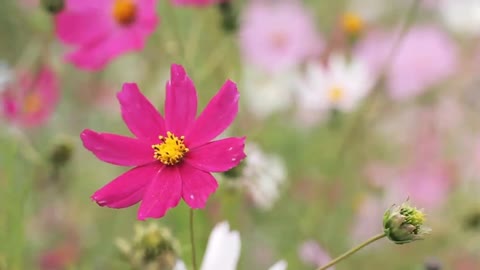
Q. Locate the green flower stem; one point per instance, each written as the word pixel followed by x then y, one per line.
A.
pixel 353 250
pixel 192 241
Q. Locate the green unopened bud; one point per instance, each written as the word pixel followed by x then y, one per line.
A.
pixel 53 6
pixel 403 224
pixel 61 151
pixel 152 247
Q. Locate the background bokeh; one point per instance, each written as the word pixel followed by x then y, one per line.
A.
pixel 321 168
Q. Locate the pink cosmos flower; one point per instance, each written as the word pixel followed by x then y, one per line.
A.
pixel 277 36
pixel 32 100
pixel 425 57
pixel 312 254
pixel 173 157
pixel 100 31
pixel 198 3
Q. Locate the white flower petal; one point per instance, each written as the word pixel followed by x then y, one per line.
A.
pixel 223 249
pixel 280 265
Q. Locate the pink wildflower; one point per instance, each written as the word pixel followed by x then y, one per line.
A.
pixel 312 254
pixel 173 156
pixel 100 31
pixel 425 57
pixel 32 100
pixel 198 3
pixel 277 36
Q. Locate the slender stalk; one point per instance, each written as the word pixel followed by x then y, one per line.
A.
pixel 192 241
pixel 360 118
pixel 352 251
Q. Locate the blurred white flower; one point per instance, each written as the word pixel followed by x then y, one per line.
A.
pixel 280 265
pixel 462 16
pixel 223 248
pixel 223 251
pixel 263 176
pixel 340 85
pixel 5 75
pixel 267 93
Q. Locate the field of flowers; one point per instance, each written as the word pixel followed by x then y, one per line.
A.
pixel 239 134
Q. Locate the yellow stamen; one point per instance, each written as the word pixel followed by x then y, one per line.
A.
pixel 32 103
pixel 335 94
pixel 352 23
pixel 171 150
pixel 124 11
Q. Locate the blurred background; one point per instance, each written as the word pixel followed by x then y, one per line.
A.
pixel 348 107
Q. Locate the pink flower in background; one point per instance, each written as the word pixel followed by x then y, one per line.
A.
pixel 199 3
pixel 368 219
pixel 426 179
pixel 313 255
pixel 100 31
pixel 32 100
pixel 425 57
pixel 277 36
pixel 173 157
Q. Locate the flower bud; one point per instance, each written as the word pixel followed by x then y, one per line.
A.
pixel 152 247
pixel 403 224
pixel 61 151
pixel 53 6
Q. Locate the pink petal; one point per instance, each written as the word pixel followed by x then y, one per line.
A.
pixel 181 101
pixel 197 186
pixel 97 53
pixel 83 22
pixel 116 149
pixel 163 193
pixel 217 156
pixel 143 120
pixel 217 116
pixel 127 189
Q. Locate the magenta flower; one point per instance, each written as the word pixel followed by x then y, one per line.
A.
pixel 198 3
pixel 173 157
pixel 425 57
pixel 278 36
pixel 100 31
pixel 32 99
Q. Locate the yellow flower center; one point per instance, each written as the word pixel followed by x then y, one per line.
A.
pixel 124 11
pixel 171 150
pixel 352 23
pixel 32 103
pixel 335 94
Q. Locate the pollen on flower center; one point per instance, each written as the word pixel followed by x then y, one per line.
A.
pixel 124 11
pixel 352 23
pixel 171 150
pixel 32 103
pixel 335 94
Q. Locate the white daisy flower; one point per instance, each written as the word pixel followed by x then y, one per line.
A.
pixel 461 16
pixel 263 176
pixel 266 93
pixel 339 85
pixel 223 251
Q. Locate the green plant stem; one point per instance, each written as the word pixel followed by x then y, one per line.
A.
pixel 192 241
pixel 352 251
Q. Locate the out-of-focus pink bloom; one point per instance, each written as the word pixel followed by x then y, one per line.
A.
pixel 313 255
pixel 173 157
pixel 426 179
pixel 32 100
pixel 61 257
pixel 198 3
pixel 368 219
pixel 277 36
pixel 425 57
pixel 100 31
